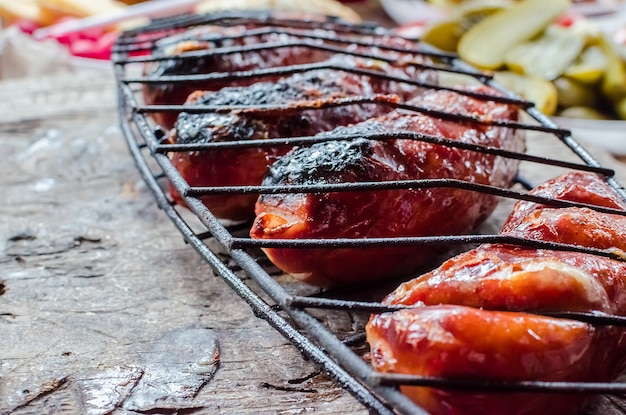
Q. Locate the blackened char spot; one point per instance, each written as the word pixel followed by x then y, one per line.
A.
pixel 321 163
pixel 309 86
pixel 204 128
pixel 182 66
pixel 294 88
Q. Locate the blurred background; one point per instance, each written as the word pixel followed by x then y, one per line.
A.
pixel 567 56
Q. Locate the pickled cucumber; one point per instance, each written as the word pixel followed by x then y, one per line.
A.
pixel 620 108
pixel 588 113
pixel 472 12
pixel 614 80
pixel 486 44
pixel 540 91
pixel 589 67
pixel 445 4
pixel 446 34
pixel 550 55
pixel 576 94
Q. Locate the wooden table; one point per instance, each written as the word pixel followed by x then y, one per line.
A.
pixel 103 307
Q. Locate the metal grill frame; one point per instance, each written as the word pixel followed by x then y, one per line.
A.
pixel 288 314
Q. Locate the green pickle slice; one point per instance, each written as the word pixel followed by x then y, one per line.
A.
pixel 486 44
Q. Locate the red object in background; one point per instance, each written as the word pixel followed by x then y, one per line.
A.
pixel 27 26
pixel 93 43
pixel 568 18
pixel 98 48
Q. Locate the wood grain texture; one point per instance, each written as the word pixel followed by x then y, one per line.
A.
pixel 105 308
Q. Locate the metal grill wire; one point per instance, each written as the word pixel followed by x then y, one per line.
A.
pixel 291 314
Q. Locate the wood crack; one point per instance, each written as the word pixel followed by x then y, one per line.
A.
pixel 297 381
pixel 172 411
pixel 47 389
pixel 287 388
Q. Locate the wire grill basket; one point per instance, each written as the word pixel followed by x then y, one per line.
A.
pixel 297 312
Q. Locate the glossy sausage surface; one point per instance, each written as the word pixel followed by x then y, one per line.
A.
pixel 466 326
pixel 386 213
pixel 296 93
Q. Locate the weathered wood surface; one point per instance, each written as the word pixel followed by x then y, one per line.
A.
pixel 103 308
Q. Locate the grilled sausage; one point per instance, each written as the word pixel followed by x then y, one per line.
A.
pixel 386 213
pixel 475 318
pixel 248 166
pixel 213 49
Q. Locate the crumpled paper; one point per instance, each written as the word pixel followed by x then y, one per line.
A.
pixel 22 56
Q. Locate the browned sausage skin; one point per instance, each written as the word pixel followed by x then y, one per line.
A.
pixel 464 329
pixel 248 166
pixel 269 50
pixel 388 213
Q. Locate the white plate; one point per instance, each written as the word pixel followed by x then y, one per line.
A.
pixel 411 11
pixel 609 135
